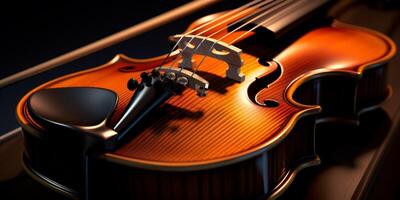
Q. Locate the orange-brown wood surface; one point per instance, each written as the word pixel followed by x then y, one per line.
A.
pixel 226 125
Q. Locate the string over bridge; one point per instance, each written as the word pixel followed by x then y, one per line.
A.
pixel 193 44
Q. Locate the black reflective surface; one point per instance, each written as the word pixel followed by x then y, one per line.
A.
pixel 73 106
pixel 346 150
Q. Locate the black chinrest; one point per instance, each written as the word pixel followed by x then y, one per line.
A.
pixel 72 107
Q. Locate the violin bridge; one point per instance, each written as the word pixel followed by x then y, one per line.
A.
pixel 193 44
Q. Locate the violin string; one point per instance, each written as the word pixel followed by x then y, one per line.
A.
pixel 280 4
pixel 272 14
pixel 265 4
pixel 264 10
pixel 272 20
pixel 250 4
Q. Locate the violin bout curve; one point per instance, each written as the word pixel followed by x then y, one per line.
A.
pixel 226 135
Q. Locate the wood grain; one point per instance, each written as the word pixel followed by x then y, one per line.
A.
pixel 337 68
pixel 225 125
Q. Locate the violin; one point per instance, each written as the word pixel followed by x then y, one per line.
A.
pixel 229 113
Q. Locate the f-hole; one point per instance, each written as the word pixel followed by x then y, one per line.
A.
pixel 264 80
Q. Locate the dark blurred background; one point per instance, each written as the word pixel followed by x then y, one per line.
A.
pixel 33 32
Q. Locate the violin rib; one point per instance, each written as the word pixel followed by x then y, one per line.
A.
pixel 226 146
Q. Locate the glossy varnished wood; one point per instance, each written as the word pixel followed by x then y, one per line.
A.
pixel 225 125
pixel 226 129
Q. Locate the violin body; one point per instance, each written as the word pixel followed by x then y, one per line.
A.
pixel 244 140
